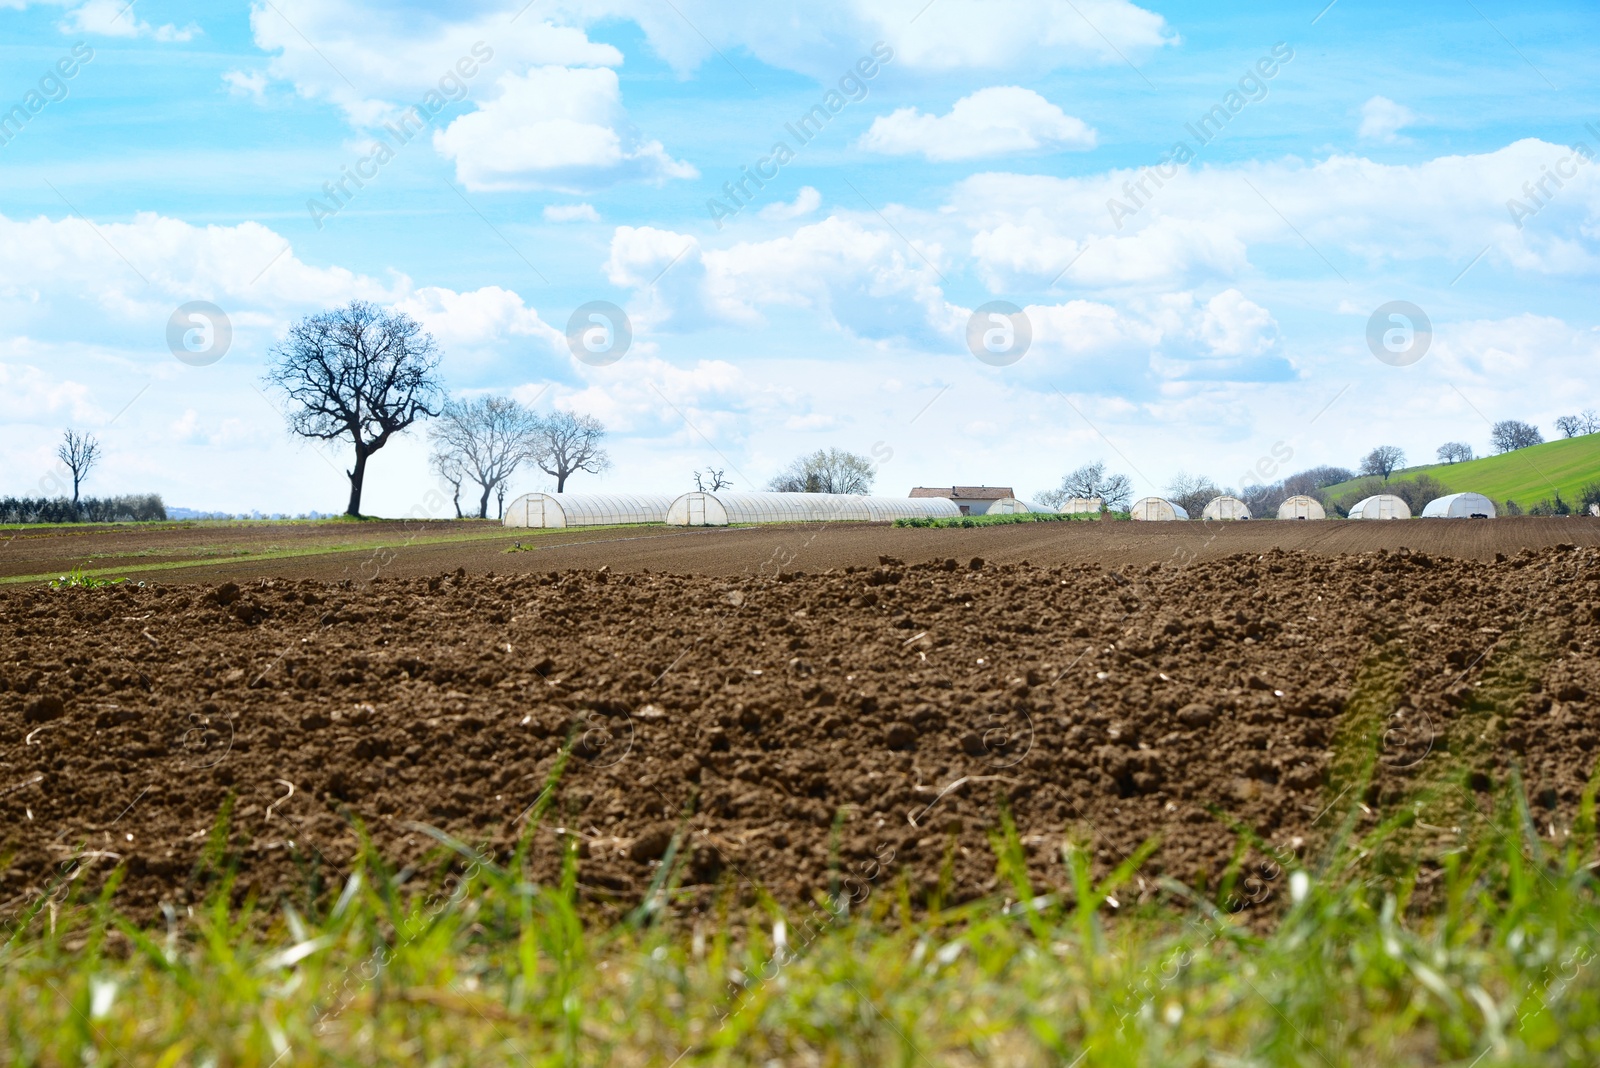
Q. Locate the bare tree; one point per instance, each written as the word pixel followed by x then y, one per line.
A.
pixel 1510 434
pixel 1590 420
pixel 486 440
pixel 79 452
pixel 1091 480
pixel 711 480
pixel 1383 461
pixel 566 443
pixel 826 471
pixel 1454 452
pixel 1570 425
pixel 1192 492
pixel 356 372
pixel 449 467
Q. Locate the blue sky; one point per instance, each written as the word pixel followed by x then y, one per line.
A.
pixel 1200 325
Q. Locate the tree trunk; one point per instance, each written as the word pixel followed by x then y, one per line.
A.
pixel 483 502
pixel 357 475
pixel 561 482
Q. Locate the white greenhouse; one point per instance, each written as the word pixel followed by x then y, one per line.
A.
pixel 1301 507
pixel 1082 506
pixel 1226 507
pixel 1157 508
pixel 721 509
pixel 1460 506
pixel 1382 506
pixel 1012 506
pixel 586 509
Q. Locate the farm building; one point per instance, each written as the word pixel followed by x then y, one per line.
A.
pixel 972 500
pixel 1459 506
pixel 586 509
pixel 1381 506
pixel 1082 506
pixel 1012 506
pixel 1157 508
pixel 721 509
pixel 1226 507
pixel 1301 507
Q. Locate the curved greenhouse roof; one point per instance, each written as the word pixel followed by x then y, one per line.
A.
pixel 1012 506
pixel 1459 506
pixel 586 509
pixel 1226 507
pixel 1157 508
pixel 721 509
pixel 1081 506
pixel 1301 506
pixel 1381 506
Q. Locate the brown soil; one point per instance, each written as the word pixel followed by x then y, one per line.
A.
pixel 1113 706
pixel 334 552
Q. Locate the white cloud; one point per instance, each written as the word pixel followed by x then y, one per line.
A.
pixel 396 61
pixel 825 39
pixel 990 122
pixel 116 18
pixel 571 213
pixel 1025 229
pixel 805 202
pixel 1382 120
pixel 553 118
pixel 474 326
pixel 554 128
pixel 249 84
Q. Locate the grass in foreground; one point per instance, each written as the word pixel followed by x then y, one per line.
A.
pixel 485 967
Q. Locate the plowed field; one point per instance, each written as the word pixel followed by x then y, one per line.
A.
pixel 797 727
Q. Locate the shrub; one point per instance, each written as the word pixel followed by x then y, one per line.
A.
pixel 137 508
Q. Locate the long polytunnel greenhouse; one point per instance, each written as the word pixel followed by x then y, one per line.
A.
pixel 1012 506
pixel 722 509
pixel 586 509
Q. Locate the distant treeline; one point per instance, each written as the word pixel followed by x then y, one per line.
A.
pixel 88 510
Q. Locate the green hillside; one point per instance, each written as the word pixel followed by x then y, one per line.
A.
pixel 1526 476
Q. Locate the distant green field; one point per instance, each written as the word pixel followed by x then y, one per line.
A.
pixel 1526 476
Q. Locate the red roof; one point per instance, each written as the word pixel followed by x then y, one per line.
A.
pixel 966 493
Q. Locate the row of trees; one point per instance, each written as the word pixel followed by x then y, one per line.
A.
pixel 363 374
pixel 483 442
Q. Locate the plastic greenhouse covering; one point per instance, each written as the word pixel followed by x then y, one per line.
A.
pixel 721 509
pixel 1157 508
pixel 586 509
pixel 1459 506
pixel 1301 506
pixel 1382 506
pixel 1226 507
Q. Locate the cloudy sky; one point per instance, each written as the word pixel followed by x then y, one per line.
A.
pixel 817 218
